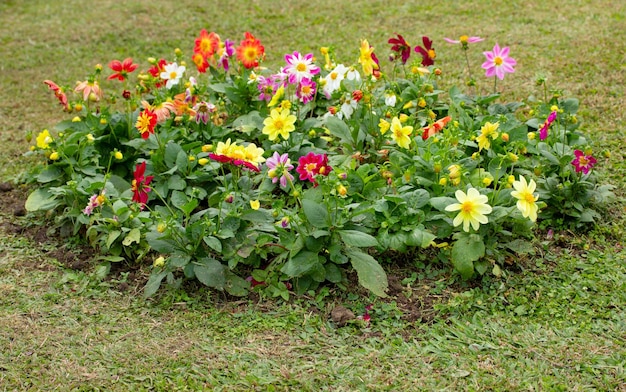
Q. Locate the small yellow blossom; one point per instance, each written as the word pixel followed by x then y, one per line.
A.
pixel 90 137
pixel 531 135
pixel 54 156
pixel 255 204
pixel 76 119
pixel 472 207
pixel 443 181
pixel 159 262
pixel 118 155
pixel 203 161
pixel 384 125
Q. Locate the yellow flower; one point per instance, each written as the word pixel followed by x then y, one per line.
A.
pixel 54 156
pixel 455 171
pixel 159 262
pixel 255 204
pixel 203 161
pixel 76 119
pixel 487 131
pixel 118 155
pixel 400 134
pixel 384 125
pixel 254 154
pixel 472 206
pixel 365 58
pixel 526 199
pixel 43 139
pixel 277 97
pixel 443 181
pixel 90 137
pixel 280 122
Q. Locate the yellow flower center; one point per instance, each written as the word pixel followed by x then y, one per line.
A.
pixel 467 207
pixel 464 39
pixel 279 124
pixel 529 197
pixel 172 75
pixel 498 60
pixel 333 75
pixel 310 166
pixel 583 161
pixel 301 67
pixel 431 54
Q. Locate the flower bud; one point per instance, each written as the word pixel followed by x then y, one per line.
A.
pixel 76 119
pixel 203 161
pixel 78 107
pixel 229 198
pixel 54 156
pixel 159 262
pixel 443 181
pixel 531 135
pixel 207 148
pixel 118 155
pixel 342 190
pixel 178 52
pixel 505 137
pixel 103 121
pixel 161 227
pixel 357 95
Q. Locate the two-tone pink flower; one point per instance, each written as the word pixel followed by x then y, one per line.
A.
pixel 498 62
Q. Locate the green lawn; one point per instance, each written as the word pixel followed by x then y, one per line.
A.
pixel 557 322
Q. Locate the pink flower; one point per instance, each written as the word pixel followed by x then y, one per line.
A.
pixel 498 62
pixel 543 132
pixel 299 67
pixel 311 165
pixel 306 90
pixel 583 162
pixel 279 167
pixel 464 40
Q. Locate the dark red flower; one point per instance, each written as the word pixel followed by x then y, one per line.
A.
pixel 312 165
pixel 427 52
pixel 140 185
pixel 400 48
pixel 122 69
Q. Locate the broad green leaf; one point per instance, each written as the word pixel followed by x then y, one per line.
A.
pixel 300 264
pixel 440 203
pixel 466 250
pixel 176 182
pixel 154 282
pixel 213 243
pixel 113 235
pixel 357 238
pixel 333 273
pixel 210 272
pixel 521 246
pixel 41 200
pixel 371 274
pixel 316 214
pixel 339 129
pixel 235 285
pixel 171 153
pixel 50 173
pixel 419 237
pixel 133 236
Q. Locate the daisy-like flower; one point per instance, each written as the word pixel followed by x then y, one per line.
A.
pixel 94 202
pixel 249 157
pixel 487 131
pixel 427 52
pixel 366 58
pixel 44 139
pixel 347 108
pixel 399 47
pixel 311 165
pixel 543 131
pixel 526 199
pixel 58 92
pixel 435 127
pixel 383 125
pixel 90 89
pixel 472 209
pixel 140 184
pixel 299 67
pixel 146 121
pixel 390 99
pixel 122 68
pixel 250 51
pixel 172 73
pixel 400 134
pixel 306 90
pixel 202 111
pixel 334 78
pixel 280 122
pixel 156 70
pixel 498 62
pixel 353 75
pixel 162 110
pixel 583 162
pixel 464 40
pixel 206 44
pixel 279 167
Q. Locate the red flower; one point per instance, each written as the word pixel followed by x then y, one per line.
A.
pixel 250 51
pixel 237 162
pixel 400 47
pixel 207 44
pixel 140 185
pixel 58 92
pixel 311 165
pixel 146 122
pixel 156 70
pixel 122 69
pixel 435 127
pixel 427 52
pixel 583 162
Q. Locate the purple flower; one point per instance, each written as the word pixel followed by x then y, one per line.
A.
pixel 279 167
pixel 203 109
pixel 543 132
pixel 498 62
pixel 583 162
pixel 228 52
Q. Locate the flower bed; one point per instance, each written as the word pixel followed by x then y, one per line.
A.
pixel 246 178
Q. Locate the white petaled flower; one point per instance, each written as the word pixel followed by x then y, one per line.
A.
pixel 526 199
pixel 472 209
pixel 334 78
pixel 172 73
pixel 390 99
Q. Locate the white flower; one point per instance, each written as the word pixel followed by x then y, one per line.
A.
pixel 390 99
pixel 334 78
pixel 353 74
pixel 347 108
pixel 172 73
pixel 472 206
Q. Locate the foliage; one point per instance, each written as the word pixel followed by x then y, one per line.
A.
pixel 199 172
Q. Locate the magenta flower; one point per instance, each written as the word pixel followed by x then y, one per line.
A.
pixel 203 110
pixel 464 40
pixel 543 132
pixel 583 162
pixel 279 167
pixel 427 52
pixel 299 67
pixel 228 52
pixel 399 47
pixel 311 165
pixel 306 90
pixel 498 62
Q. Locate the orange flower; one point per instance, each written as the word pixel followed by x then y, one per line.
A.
pixel 162 110
pixel 435 127
pixel 88 88
pixel 58 92
pixel 207 44
pixel 250 51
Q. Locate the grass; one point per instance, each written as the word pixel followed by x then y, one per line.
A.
pixel 556 323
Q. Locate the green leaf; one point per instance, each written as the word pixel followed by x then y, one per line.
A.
pixel 339 129
pixel 316 214
pixel 371 274
pixel 300 264
pixel 357 238
pixel 466 250
pixel 210 272
pixel 521 246
pixel 154 282
pixel 133 236
pixel 176 182
pixel 419 237
pixel 236 285
pixel 440 203
pixel 41 200
pixel 171 153
pixel 213 243
pixel 50 173
pixel 333 273
pixel 113 235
